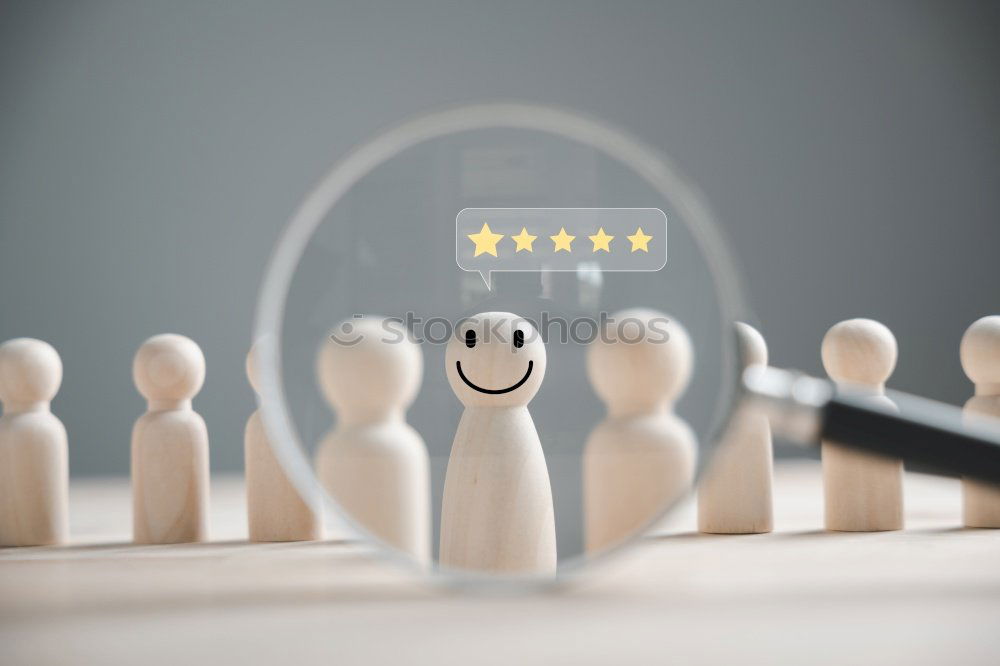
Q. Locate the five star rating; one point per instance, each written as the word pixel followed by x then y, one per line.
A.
pixel 486 241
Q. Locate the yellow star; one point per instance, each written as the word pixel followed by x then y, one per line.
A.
pixel 562 240
pixel 640 241
pixel 486 241
pixel 523 240
pixel 601 240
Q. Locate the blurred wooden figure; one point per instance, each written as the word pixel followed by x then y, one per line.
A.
pixel 863 492
pixel 496 513
pixel 275 509
pixel 373 463
pixel 980 352
pixel 641 458
pixel 169 444
pixel 734 497
pixel 33 453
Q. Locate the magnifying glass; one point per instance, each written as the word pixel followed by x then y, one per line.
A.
pixel 499 341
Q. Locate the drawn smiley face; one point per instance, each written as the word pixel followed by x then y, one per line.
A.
pixel 495 359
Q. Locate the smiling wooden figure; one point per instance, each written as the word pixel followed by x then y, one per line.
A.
pixel 496 514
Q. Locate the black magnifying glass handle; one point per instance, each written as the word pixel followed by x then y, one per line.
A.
pixel 915 430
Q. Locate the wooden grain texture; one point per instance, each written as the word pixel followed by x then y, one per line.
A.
pixel 863 491
pixel 496 512
pixel 641 457
pixel 734 495
pixel 275 509
pixel 169 452
pixel 34 466
pixel 373 464
pixel 379 473
pixel 926 595
pixel 980 354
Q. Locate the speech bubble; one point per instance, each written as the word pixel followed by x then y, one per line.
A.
pixel 522 240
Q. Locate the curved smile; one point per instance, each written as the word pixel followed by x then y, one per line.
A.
pixel 458 364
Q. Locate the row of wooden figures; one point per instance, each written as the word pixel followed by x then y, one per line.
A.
pixel 497 510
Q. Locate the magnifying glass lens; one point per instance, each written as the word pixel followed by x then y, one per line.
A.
pixel 498 342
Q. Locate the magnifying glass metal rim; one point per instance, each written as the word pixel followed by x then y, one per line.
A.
pixel 656 169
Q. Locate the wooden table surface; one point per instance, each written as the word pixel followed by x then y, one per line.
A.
pixel 927 595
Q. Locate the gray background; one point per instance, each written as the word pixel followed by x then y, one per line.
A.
pixel 151 152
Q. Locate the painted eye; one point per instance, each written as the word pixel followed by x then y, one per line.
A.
pixel 470 339
pixel 518 339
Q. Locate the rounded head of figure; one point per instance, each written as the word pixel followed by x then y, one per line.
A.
pixel 30 372
pixel 495 359
pixel 980 352
pixel 861 352
pixel 369 369
pixel 753 348
pixel 641 362
pixel 168 368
